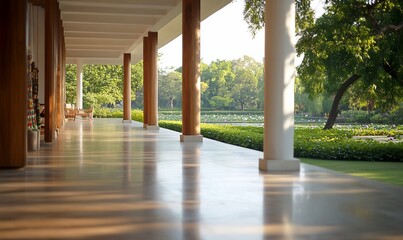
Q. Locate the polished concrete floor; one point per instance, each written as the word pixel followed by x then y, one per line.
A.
pixel 106 180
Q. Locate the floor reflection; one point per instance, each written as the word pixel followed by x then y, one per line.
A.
pixel 127 157
pixel 277 210
pixel 138 184
pixel 191 190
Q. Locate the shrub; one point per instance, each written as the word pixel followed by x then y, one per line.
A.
pixel 137 115
pixel 310 142
pixel 108 113
pixel 357 116
pixel 380 118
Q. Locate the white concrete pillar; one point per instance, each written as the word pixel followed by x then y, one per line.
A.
pixel 279 79
pixel 79 98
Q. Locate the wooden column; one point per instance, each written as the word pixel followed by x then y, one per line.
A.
pixel 13 90
pixel 61 69
pixel 57 67
pixel 152 56
pixel 63 72
pixel 146 74
pixel 191 71
pixel 60 79
pixel 49 71
pixel 278 146
pixel 127 106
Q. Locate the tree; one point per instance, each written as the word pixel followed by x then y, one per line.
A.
pixel 136 79
pixel 71 83
pixel 102 84
pixel 170 87
pixel 217 77
pixel 353 40
pixel 245 85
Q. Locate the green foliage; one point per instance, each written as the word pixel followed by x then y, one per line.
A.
pixel 254 13
pixel 218 116
pixel 240 136
pixel 309 142
pixel 220 103
pixel 137 115
pixel 217 78
pixel 244 88
pixel 339 144
pixel 352 38
pixel 102 84
pixel 71 83
pixel 108 113
pixel 360 116
pixel 170 88
pixel 355 37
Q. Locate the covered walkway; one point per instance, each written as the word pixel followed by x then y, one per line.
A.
pixel 106 180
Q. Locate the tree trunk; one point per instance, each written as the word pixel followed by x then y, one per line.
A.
pixel 171 102
pixel 335 106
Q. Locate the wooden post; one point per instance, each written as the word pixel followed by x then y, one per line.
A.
pixel 145 81
pixel 49 71
pixel 191 71
pixel 60 71
pixel 57 66
pixel 127 115
pixel 152 56
pixel 13 90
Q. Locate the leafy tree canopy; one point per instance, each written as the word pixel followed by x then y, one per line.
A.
pixel 353 40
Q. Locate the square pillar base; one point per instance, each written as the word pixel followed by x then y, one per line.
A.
pixel 191 138
pixel 152 127
pixel 127 121
pixel 145 126
pixel 279 165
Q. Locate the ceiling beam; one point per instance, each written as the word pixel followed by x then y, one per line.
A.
pixel 156 4
pixel 106 18
pixel 105 28
pixel 101 35
pixel 94 41
pixel 113 10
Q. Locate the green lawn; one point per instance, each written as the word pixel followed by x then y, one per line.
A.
pixel 387 172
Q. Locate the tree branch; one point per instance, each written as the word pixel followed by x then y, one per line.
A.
pixel 392 72
pixel 391 27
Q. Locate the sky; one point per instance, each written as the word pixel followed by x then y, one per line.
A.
pixel 224 35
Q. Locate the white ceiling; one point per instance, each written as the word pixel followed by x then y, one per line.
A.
pixel 100 31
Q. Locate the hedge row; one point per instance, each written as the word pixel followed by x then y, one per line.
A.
pixel 137 114
pixel 310 143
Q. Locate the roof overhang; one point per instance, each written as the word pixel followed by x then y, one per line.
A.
pixel 101 31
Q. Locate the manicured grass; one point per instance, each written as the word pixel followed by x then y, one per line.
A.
pixel 387 172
